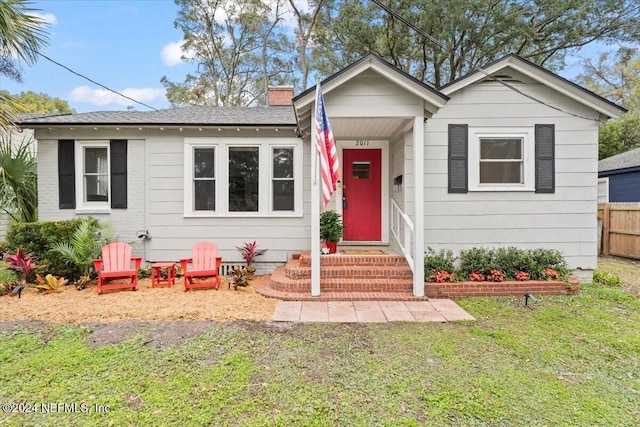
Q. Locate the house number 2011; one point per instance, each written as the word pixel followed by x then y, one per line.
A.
pixel 362 142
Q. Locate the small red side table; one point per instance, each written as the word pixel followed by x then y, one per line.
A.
pixel 156 274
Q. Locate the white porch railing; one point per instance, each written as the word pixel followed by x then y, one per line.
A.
pixel 402 230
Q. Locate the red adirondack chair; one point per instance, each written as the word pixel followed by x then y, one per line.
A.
pixel 117 264
pixel 205 263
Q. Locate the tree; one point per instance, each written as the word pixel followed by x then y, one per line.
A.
pixel 235 46
pixel 616 76
pixel 306 24
pixel 39 103
pixel 22 35
pixel 480 31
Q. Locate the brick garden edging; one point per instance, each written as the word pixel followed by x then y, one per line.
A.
pixel 506 288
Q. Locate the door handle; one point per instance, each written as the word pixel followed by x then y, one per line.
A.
pixel 344 201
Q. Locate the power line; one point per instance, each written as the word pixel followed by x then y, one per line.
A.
pixel 95 82
pixel 471 64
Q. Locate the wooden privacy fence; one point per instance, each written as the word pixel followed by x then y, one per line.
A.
pixel 619 229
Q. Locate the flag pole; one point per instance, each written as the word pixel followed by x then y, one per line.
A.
pixel 315 204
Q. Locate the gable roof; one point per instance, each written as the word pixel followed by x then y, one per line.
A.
pixel 376 63
pixel 628 159
pixel 185 116
pixel 543 76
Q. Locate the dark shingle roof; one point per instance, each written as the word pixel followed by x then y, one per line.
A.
pixel 186 116
pixel 628 159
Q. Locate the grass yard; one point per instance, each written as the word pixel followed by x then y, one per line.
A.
pixel 570 361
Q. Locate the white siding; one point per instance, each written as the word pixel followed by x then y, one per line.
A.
pixel 125 221
pixel 564 220
pixel 173 234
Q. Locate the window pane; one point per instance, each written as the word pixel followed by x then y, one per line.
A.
pixel 501 173
pixel 204 195
pixel 283 162
pixel 361 170
pixel 283 195
pixel 203 163
pixel 95 160
pixel 243 179
pixel 500 148
pixel 96 188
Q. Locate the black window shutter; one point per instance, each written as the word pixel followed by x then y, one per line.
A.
pixel 545 159
pixel 66 174
pixel 458 158
pixel 119 173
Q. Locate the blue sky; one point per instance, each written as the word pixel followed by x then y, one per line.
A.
pixel 125 45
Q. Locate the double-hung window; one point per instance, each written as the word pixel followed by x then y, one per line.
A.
pixel 282 179
pixel 204 179
pixel 243 177
pixel 93 182
pixel 501 160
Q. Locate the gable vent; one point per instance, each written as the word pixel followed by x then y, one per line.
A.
pixel 504 77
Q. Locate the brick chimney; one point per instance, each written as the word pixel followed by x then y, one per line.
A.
pixel 280 95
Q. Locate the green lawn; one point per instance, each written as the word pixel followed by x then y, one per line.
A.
pixel 569 361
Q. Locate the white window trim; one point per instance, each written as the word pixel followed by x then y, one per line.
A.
pixel 82 206
pixel 297 179
pixel 605 195
pixel 222 145
pixel 189 195
pixel 528 151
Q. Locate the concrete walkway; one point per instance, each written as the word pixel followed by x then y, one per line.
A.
pixel 434 310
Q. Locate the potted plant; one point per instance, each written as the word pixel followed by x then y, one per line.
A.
pixel 331 228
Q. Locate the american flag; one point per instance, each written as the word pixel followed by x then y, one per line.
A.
pixel 326 148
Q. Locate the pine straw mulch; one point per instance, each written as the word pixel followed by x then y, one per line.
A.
pixel 147 304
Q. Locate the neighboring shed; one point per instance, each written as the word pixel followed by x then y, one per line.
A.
pixel 622 173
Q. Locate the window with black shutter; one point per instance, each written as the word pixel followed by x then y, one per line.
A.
pixel 92 174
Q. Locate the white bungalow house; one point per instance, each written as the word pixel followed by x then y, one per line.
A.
pixel 504 157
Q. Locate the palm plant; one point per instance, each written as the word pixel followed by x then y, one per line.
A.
pixel 22 36
pixel 85 246
pixel 18 179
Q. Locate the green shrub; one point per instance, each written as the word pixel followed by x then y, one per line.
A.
pixel 476 259
pixel 607 280
pixel 511 260
pixel 39 238
pixel 434 262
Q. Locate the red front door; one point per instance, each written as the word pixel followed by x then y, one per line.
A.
pixel 362 198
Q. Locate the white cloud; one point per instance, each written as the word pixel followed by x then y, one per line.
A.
pixel 105 97
pixel 172 54
pixel 48 18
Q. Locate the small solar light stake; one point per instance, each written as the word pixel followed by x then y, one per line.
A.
pixel 528 297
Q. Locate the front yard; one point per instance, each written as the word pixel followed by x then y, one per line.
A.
pixel 568 361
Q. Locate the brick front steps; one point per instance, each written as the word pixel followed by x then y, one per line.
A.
pixel 344 278
pixel 385 278
pixel 507 288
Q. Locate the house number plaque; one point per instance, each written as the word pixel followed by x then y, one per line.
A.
pixel 362 142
